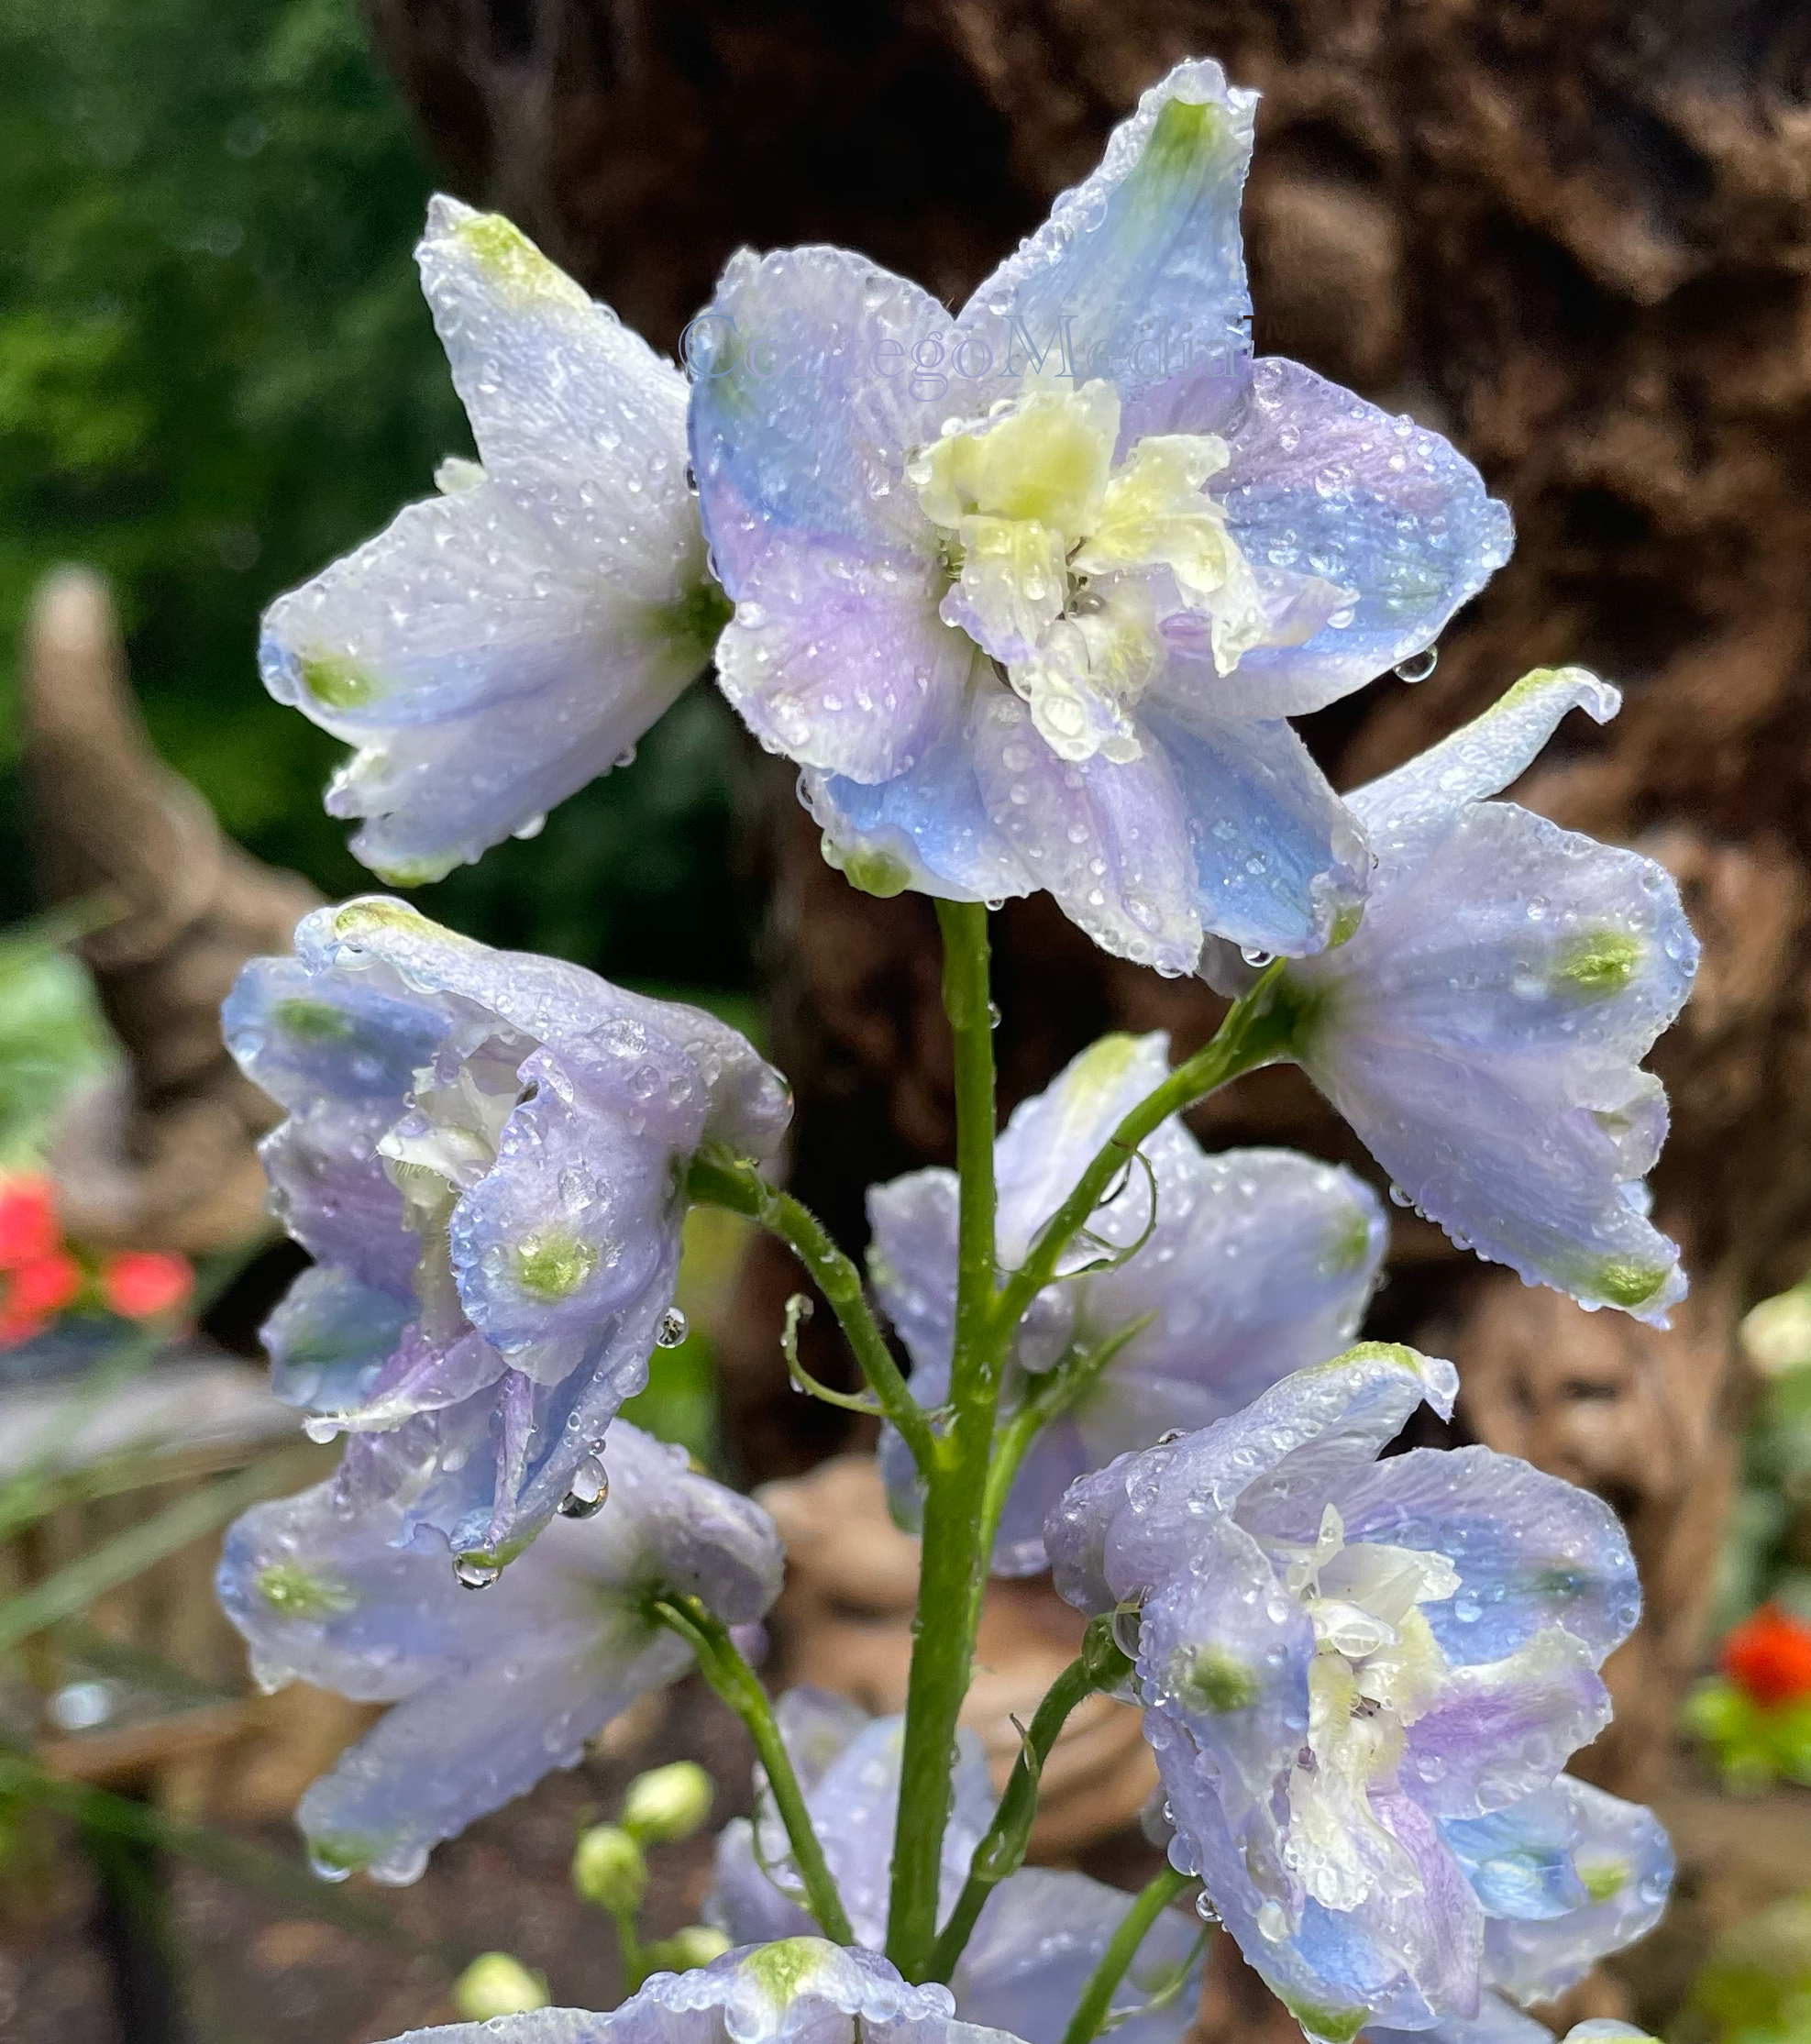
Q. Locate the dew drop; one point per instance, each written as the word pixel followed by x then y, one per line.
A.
pixel 474 1573
pixel 1417 665
pixel 674 1327
pixel 587 1492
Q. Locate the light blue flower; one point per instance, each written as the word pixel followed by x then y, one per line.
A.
pixel 501 643
pixel 1254 1262
pixel 1483 1030
pixel 491 1692
pixel 1029 591
pixel 485 1154
pixel 1040 1933
pixel 1361 1680
pixel 800 1991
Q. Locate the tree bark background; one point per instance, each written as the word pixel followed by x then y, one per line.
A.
pixel 1574 235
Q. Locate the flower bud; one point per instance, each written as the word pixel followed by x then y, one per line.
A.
pixel 697 1945
pixel 496 1984
pixel 608 1869
pixel 667 1803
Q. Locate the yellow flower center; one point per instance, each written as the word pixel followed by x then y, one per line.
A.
pixel 1054 556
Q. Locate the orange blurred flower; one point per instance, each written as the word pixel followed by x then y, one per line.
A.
pixel 1769 1656
pixel 140 1283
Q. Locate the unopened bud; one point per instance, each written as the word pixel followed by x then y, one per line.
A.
pixel 496 1984
pixel 697 1945
pixel 608 1869
pixel 666 1803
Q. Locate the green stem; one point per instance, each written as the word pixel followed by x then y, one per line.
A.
pixel 718 1181
pixel 629 1950
pixel 1097 1998
pixel 952 1570
pixel 736 1683
pixel 1001 1851
pixel 1256 1031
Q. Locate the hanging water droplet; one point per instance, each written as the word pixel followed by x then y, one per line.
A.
pixel 1417 665
pixel 474 1573
pixel 993 1014
pixel 674 1327
pixel 1253 956
pixel 691 478
pixel 327 1869
pixel 587 1492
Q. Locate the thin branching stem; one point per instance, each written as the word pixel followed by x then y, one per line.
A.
pixel 1097 1998
pixel 721 1181
pixel 740 1687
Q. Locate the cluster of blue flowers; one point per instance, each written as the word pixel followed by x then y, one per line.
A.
pixel 1036 621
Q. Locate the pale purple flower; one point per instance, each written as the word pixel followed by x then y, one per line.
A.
pixel 1254 1262
pixel 485 1154
pixel 800 1991
pixel 501 643
pixel 491 1691
pixel 1040 1933
pixel 1029 591
pixel 1361 1679
pixel 1484 1027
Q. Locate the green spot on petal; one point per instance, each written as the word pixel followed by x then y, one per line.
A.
pixel 313 1022
pixel 290 1589
pixel 512 263
pixel 1329 2026
pixel 782 1968
pixel 1181 143
pixel 337 683
pixel 1212 1683
pixel 1630 1285
pixel 372 912
pixel 874 872
pixel 1351 1243
pixel 1603 1878
pixel 552 1265
pixel 1598 963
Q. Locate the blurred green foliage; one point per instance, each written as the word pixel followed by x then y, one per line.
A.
pixel 216 373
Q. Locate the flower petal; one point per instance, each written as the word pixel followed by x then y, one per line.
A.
pixel 469 1741
pixel 1323 484
pixel 329 1339
pixel 1139 274
pixel 1504 1729
pixel 1481 1029
pixel 1624 1864
pixel 579 422
pixel 1280 860
pixel 926 828
pixel 1273 1466
pixel 1108 839
pixel 1403 809
pixel 1532 1551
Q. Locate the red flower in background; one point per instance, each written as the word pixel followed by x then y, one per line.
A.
pixel 29 1229
pixel 1769 1656
pixel 140 1284
pixel 33 1294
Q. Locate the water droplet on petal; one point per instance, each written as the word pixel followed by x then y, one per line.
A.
pixel 674 1327
pixel 588 1489
pixel 1417 665
pixel 474 1573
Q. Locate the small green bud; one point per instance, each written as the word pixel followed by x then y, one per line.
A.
pixel 666 1803
pixel 608 1869
pixel 496 1984
pixel 697 1945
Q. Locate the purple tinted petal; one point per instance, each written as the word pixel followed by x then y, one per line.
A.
pixel 1532 1551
